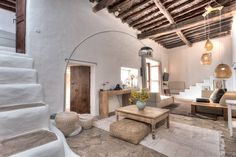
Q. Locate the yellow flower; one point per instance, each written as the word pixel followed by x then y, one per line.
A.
pixel 142 96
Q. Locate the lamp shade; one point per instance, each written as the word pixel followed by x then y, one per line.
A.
pixel 206 59
pixel 223 71
pixel 146 51
pixel 208 45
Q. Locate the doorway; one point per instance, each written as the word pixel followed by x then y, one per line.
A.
pixel 13 24
pixel 153 73
pixel 78 88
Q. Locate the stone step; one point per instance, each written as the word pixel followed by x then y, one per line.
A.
pixel 20 93
pixel 15 61
pixel 17 76
pixel 21 118
pixel 12 53
pixel 34 144
pixel 10 49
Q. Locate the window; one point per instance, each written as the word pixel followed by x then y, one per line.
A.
pixel 129 77
pixel 153 75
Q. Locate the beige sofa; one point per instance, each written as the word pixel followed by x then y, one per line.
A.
pixel 227 95
pixel 157 100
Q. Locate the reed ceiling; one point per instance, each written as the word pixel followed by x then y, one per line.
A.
pixel 172 23
pixel 9 5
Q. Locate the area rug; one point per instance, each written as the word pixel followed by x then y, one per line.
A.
pixel 180 140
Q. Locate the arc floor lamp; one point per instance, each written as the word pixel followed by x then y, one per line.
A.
pixel 144 52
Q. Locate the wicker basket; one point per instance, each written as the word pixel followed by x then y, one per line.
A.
pixel 86 121
pixel 67 122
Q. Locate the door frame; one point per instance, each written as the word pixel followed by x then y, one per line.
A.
pixel 161 72
pixel 92 83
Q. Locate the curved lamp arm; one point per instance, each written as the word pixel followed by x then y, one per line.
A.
pixel 84 40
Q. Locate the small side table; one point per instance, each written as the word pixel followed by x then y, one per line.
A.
pixel 231 106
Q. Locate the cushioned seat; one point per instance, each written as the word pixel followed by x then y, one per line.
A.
pixel 129 130
pixel 157 100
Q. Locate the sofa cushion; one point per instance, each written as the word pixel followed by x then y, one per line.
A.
pixel 129 130
pixel 216 95
pixel 227 95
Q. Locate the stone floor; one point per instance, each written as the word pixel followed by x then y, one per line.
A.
pixel 219 125
pixel 98 143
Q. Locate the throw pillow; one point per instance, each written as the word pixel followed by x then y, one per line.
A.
pixel 213 95
pixel 216 95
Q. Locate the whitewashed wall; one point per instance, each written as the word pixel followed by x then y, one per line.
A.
pixel 184 62
pixel 54 28
pixel 6 18
pixel 7 28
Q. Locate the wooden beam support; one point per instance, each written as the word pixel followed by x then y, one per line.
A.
pixel 133 9
pixel 171 20
pixel 153 15
pixel 155 25
pixel 121 6
pixel 12 1
pixel 8 4
pixel 103 4
pixel 192 29
pixel 199 20
pixel 136 14
pixel 7 8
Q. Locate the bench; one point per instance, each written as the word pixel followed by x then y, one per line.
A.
pixel 209 105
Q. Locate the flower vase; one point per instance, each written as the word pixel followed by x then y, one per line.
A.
pixel 140 105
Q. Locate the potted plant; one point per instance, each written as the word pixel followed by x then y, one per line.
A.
pixel 139 98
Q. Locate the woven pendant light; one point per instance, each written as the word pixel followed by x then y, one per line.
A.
pixel 208 45
pixel 223 71
pixel 206 59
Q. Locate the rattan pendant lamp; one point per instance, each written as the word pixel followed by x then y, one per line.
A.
pixel 222 71
pixel 206 58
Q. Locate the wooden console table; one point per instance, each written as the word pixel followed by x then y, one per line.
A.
pixel 104 100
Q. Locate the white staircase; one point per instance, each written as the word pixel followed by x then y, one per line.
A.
pixel 195 91
pixel 25 128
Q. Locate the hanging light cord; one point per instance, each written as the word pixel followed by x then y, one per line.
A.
pixel 220 38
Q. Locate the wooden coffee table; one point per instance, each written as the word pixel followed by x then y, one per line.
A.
pixel 150 115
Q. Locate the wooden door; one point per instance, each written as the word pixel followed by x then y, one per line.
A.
pixel 80 89
pixel 20 25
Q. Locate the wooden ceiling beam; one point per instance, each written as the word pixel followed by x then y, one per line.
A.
pixel 11 1
pixel 158 25
pixel 213 31
pixel 208 28
pixel 212 36
pixel 157 21
pixel 7 8
pixel 165 36
pixel 153 15
pixel 8 4
pixel 133 9
pixel 171 20
pixel 120 6
pixel 103 4
pixel 199 20
pixel 136 14
pixel 195 9
pixel 208 24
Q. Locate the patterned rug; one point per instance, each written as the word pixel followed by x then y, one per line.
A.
pixel 180 140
